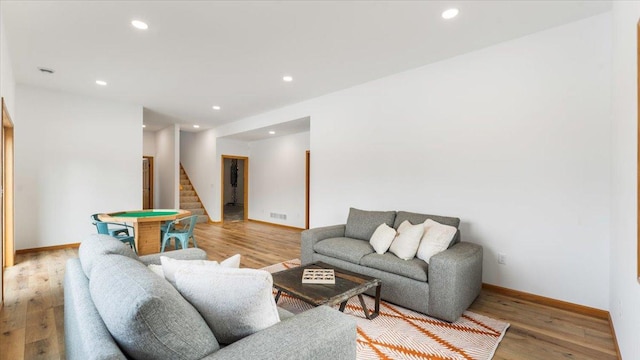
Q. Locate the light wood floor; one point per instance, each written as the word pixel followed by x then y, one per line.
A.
pixel 32 318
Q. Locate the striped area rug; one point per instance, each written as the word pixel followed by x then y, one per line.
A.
pixel 399 333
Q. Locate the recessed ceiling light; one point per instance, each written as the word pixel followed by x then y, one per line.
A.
pixel 101 82
pixel 287 78
pixel 196 126
pixel 216 107
pixel 450 13
pixel 272 132
pixel 144 126
pixel 46 70
pixel 139 24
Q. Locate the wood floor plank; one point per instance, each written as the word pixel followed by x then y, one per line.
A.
pixel 45 349
pixel 40 325
pixel 31 321
pixel 58 313
pixel 12 344
pixel 14 314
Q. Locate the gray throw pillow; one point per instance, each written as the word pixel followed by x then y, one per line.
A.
pixel 98 245
pixel 361 224
pixel 145 315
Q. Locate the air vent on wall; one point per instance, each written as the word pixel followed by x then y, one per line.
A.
pixel 279 216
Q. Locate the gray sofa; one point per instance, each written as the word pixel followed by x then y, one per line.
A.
pixel 444 288
pixel 148 318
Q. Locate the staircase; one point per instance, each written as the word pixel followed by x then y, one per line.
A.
pixel 189 200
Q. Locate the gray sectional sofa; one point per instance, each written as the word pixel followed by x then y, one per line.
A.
pixel 116 308
pixel 444 288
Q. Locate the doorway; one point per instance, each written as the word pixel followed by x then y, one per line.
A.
pixel 235 188
pixel 147 182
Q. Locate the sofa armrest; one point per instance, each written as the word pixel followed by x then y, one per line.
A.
pixel 310 237
pixel 86 335
pixel 316 334
pixel 455 280
pixel 182 254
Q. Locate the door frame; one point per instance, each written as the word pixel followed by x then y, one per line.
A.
pixel 245 177
pixel 150 159
pixel 8 245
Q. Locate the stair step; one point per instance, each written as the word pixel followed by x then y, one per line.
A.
pixel 189 199
pixel 191 205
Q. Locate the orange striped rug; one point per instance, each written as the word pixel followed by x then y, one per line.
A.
pixel 399 333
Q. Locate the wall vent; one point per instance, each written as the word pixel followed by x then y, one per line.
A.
pixel 278 216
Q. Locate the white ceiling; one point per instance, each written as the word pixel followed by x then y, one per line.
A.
pixel 196 54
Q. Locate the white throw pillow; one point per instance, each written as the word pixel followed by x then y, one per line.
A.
pixel 405 245
pixel 157 269
pixel 234 302
pixel 382 238
pixel 171 266
pixel 436 239
pixel 232 262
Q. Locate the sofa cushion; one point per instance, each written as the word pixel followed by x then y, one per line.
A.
pixel 98 245
pixel 235 303
pixel 284 314
pixel 416 218
pixel 361 224
pixel 415 268
pixel 346 249
pixel 145 315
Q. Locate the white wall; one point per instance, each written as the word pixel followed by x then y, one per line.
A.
pixel 148 143
pixel 232 147
pixel 514 139
pixel 68 166
pixel 277 179
pixel 167 162
pixel 624 294
pixel 7 82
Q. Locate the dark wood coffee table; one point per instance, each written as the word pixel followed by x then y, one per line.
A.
pixel 348 284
